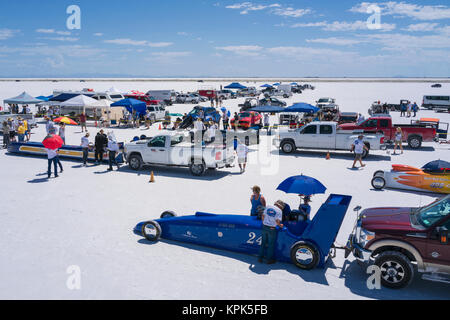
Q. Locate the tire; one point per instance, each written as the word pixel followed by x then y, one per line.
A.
pixel 396 269
pixel 415 142
pixel 135 162
pixel 378 183
pixel 151 231
pixel 168 214
pixel 378 173
pixel 287 147
pixel 197 169
pixel 304 255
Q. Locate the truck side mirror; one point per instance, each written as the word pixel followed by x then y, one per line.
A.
pixel 443 235
pixel 356 209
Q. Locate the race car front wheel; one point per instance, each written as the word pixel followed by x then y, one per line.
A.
pixel 378 183
pixel 304 255
pixel 151 231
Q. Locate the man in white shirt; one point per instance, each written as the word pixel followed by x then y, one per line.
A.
pixel 212 132
pixel 242 152
pixel 52 156
pixel 358 147
pixel 113 149
pixel 271 218
pixel 85 147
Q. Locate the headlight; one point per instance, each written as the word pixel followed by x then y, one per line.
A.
pixel 364 236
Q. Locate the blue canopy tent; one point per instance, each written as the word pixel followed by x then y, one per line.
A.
pixel 302 107
pixel 67 96
pixel 235 85
pixel 266 86
pixel 268 109
pixel 23 98
pixel 276 84
pixel 132 104
pixel 44 98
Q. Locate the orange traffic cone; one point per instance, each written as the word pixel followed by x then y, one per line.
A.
pixel 328 156
pixel 152 177
pixel 160 127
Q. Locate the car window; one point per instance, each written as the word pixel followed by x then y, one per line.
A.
pixel 384 123
pixel 434 212
pixel 158 142
pixel 326 129
pixel 310 130
pixel 176 140
pixel 371 123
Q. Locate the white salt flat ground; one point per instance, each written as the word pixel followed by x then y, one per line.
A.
pixel 86 216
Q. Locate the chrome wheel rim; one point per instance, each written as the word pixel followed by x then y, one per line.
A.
pixel 378 183
pixel 304 256
pixel 150 231
pixel 287 147
pixel 134 163
pixel 392 272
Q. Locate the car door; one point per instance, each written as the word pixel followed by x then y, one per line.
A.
pixel 326 139
pixel 157 150
pixel 307 138
pixel 438 253
pixel 370 125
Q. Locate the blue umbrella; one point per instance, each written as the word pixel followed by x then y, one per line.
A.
pixel 302 107
pixel 302 185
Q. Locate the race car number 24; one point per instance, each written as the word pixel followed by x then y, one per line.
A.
pixel 252 237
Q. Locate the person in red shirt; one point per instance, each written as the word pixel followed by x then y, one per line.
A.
pixel 83 122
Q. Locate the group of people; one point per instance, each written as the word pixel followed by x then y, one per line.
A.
pixel 274 216
pixel 407 109
pixel 15 129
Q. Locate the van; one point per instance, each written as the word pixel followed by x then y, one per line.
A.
pixel 430 102
pixel 167 96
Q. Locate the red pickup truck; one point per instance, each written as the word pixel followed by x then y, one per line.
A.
pixel 413 134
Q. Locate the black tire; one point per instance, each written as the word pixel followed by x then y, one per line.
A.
pixel 135 162
pixel 378 183
pixel 197 169
pixel 304 255
pixel 287 146
pixel 415 142
pixel 151 230
pixel 378 173
pixel 168 214
pixel 396 269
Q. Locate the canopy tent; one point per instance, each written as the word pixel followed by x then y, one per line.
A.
pixel 276 84
pixel 66 96
pixel 294 83
pixel 132 104
pixel 44 98
pixel 235 85
pixel 83 102
pixel 23 98
pixel 302 107
pixel 268 109
pixel 266 86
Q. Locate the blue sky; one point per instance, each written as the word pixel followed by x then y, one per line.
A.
pixel 190 38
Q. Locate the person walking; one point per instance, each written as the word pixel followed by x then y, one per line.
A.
pixel 257 201
pixel 113 148
pixel 6 134
pixel 85 148
pixel 62 131
pixel 100 142
pixel 52 157
pixel 358 147
pixel 415 108
pixel 225 120
pixel 409 109
pixel 50 127
pixel 398 140
pixel 83 122
pixel 242 152
pixel 271 218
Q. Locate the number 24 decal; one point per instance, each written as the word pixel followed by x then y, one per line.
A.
pixel 252 240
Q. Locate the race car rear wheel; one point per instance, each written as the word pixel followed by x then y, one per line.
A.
pixel 304 255
pixel 378 173
pixel 168 214
pixel 378 183
pixel 151 231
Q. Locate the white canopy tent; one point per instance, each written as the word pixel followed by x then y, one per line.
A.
pixel 85 104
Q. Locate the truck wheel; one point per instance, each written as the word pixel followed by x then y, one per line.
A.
pixel 415 142
pixel 304 255
pixel 135 162
pixel 396 269
pixel 197 169
pixel 151 231
pixel 287 146
pixel 378 183
pixel 168 214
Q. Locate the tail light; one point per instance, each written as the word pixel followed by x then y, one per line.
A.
pixel 218 156
pixel 382 140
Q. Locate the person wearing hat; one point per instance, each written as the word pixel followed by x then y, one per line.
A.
pixel 271 218
pixel 358 147
pixel 85 148
pixel 304 207
pixel 257 201
pixel 101 140
pixel 21 131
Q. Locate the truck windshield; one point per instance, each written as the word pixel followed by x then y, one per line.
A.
pixel 434 212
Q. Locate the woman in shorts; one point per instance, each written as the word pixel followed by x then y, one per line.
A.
pixel 398 140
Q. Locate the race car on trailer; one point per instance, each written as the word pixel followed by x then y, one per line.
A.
pixel 305 243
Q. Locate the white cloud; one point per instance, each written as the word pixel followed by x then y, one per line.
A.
pixel 53 31
pixel 336 41
pixel 65 39
pixel 401 42
pixel 248 50
pixel 420 27
pixel 98 34
pixel 275 8
pixel 7 33
pixel 173 54
pixel 131 42
pixel 403 9
pixel 291 12
pixel 344 26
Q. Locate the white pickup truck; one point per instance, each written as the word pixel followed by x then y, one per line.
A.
pixel 178 150
pixel 325 136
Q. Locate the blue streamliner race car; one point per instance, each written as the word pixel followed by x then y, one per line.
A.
pixel 305 243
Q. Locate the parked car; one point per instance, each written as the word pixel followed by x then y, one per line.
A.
pixel 437 85
pixel 201 98
pixel 248 104
pixel 429 179
pixel 209 114
pixel 305 243
pixel 156 112
pixel 404 241
pixel 227 94
pixel 178 150
pixel 397 107
pixel 324 136
pixel 250 91
pixel 208 93
pixel 323 102
pixel 272 102
pixel 187 98
pixel 247 120
pixel 412 134
pixel 167 96
pixel 149 100
pixel 278 93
